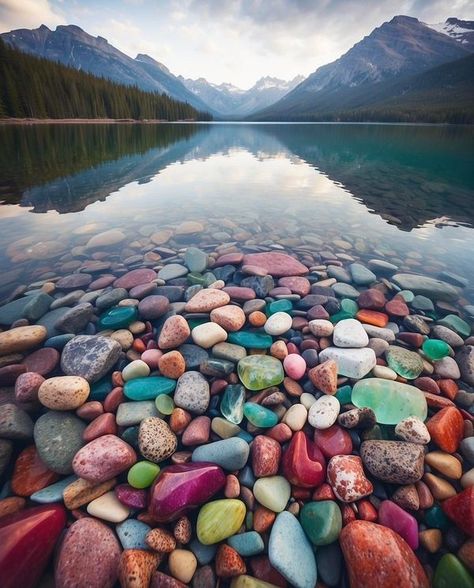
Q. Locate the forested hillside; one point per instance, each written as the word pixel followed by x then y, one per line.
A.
pixel 32 87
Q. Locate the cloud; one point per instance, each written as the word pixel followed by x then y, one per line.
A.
pixel 30 13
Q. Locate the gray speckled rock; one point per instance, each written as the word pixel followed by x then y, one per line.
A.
pixel 75 319
pixel 192 392
pixel 58 437
pixel 396 462
pixel 132 413
pixel 15 423
pixel 465 361
pixel 430 287
pixel 156 440
pixel 89 356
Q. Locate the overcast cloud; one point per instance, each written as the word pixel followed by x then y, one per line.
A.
pixel 234 41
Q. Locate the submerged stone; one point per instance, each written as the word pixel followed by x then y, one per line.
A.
pixel 405 363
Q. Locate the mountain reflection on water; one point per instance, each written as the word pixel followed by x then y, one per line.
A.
pixel 409 175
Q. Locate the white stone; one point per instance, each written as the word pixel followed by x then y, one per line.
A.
pixel 108 508
pixel 413 430
pixel 350 333
pixel 208 334
pixel 272 492
pixel 321 327
pixel 295 417
pixel 135 369
pixel 307 400
pixel 379 333
pixel 278 323
pixel 447 368
pixel 353 363
pixel 382 371
pixel 324 412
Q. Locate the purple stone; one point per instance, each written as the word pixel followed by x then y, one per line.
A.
pixel 400 521
pixel 184 486
pixel 131 497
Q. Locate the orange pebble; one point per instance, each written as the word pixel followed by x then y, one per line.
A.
pixel 372 317
pixel 179 420
pixel 348 515
pixel 324 492
pixel 367 511
pixel 257 318
pixel 263 519
pixel 138 346
pixel 11 505
pixel 446 429
pixel 449 388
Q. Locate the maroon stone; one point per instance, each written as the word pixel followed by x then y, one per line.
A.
pixel 317 312
pixel 134 278
pixel 413 339
pixel 240 293
pixel 9 373
pixel 26 389
pixel 102 425
pixel 74 282
pixel 101 282
pixel 372 299
pixel 142 290
pixel 131 497
pixel 296 284
pixel 43 361
pixel 280 291
pixel 397 307
pixel 152 307
pixel 90 410
pixel 277 264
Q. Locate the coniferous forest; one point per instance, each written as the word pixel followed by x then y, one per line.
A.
pixel 37 88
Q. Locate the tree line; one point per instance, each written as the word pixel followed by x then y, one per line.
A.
pixel 33 87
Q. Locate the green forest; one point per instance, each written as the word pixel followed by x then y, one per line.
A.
pixel 37 88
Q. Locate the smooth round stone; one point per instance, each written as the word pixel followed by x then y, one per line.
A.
pixel 118 317
pixel 142 474
pixel 278 323
pixel 257 372
pixel 456 324
pixel 53 493
pixel 290 552
pixel 21 339
pixel 148 388
pixel 407 364
pixel 90 357
pixel 64 392
pixel 273 492
pixel 206 300
pixel 174 332
pixel 164 404
pixel 172 271
pixel 260 416
pixel 229 317
pixel 294 366
pixel 195 259
pixel 156 440
pixel 426 286
pixel 451 572
pixel 349 333
pixel 135 369
pixel 400 521
pixel 15 423
pixel 353 363
pixel 208 334
pixel 324 412
pixel 391 401
pixel 74 281
pixel 251 340
pixel 247 544
pixel 88 556
pixel 132 534
pixel 135 278
pixel 192 392
pixel 103 458
pixel 219 519
pixel 413 430
pixel 321 327
pixel 345 291
pixel 231 454
pixel 182 564
pixel 321 521
pixel 58 437
pixel 132 413
pixel 396 462
pixel 277 264
pixel 108 508
pixel 105 239
pixel 43 361
pixel 295 417
pixel 152 307
pixel 384 372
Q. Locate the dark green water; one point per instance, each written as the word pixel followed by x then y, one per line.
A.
pixel 386 190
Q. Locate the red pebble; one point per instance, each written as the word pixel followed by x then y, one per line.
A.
pixel 263 570
pixel 324 492
pixel 397 307
pixel 218 386
pixel 372 299
pixel 30 474
pixel 427 385
pixel 324 376
pixel 448 388
pixel 280 433
pixel 303 463
pixel 348 515
pixel 333 441
pixel 372 317
pixel 113 399
pixel 460 509
pixel 367 511
pixel 102 425
pixel 266 453
pixel 90 410
pixel 413 339
pixel 228 562
pixel 447 429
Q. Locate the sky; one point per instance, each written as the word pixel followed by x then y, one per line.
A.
pixel 236 41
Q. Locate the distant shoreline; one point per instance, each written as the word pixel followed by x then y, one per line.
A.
pixel 83 121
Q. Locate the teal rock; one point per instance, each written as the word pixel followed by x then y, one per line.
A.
pixel 195 259
pixel 100 389
pixel 321 521
pixel 391 401
pixel 291 553
pixel 257 372
pixel 344 394
pixel 456 324
pixel 118 317
pixel 407 295
pixel 361 275
pixel 340 316
pixel 349 306
pixel 250 340
pixel 435 349
pixel 50 319
pixel 37 306
pixel 345 291
pixel 132 534
pixel 132 413
pixel 13 311
pixel 172 271
pixel 247 544
pixel 405 363
pixel 53 493
pixel 59 341
pixel 279 306
pixel 430 287
pixel 420 302
pixel 232 403
pixel 148 388
pixel 435 518
pixel 260 416
pixel 329 563
pixel 231 454
pixel 204 553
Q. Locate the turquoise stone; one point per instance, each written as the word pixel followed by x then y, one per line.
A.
pixel 118 317
pixel 195 259
pixel 349 306
pixel 435 349
pixel 321 521
pixel 407 295
pixel 257 372
pixel 53 493
pixel 100 389
pixel 193 323
pixel 340 316
pixel 344 394
pixel 209 278
pixel 247 544
pixel 391 401
pixel 279 306
pixel 232 403
pixel 148 388
pixel 407 364
pixel 435 517
pixel 450 573
pixel 250 340
pixel 456 324
pixel 260 416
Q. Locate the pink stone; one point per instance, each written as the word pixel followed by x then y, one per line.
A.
pixel 229 259
pixel 103 458
pixel 101 282
pixel 43 361
pixel 294 366
pixel 197 432
pixel 240 293
pixel 90 410
pixel 280 433
pixel 135 278
pixel 296 284
pixel 279 291
pixel 152 358
pixel 347 478
pixel 254 270
pixel 174 333
pixel 26 389
pixel 152 307
pixel 400 521
pixel 266 453
pixel 277 264
pixel 131 497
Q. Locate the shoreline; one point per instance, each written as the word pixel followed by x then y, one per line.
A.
pixel 83 121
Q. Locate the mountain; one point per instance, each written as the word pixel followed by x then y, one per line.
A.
pixel 72 46
pixel 228 100
pixel 398 49
pixel 460 30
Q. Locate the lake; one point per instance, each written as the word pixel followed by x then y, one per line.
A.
pixel 397 192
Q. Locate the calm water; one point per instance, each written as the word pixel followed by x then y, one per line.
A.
pixel 404 193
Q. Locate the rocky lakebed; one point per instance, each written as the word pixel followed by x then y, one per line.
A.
pixel 183 410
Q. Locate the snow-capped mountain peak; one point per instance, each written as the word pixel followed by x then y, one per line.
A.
pixel 460 30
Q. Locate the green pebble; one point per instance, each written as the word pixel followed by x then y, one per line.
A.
pixel 257 372
pixel 260 416
pixel 435 518
pixel 435 349
pixel 164 404
pixel 407 295
pixel 279 306
pixel 250 340
pixel 118 317
pixel 350 306
pixel 193 323
pixel 451 573
pixel 340 316
pixel 343 394
pixel 195 278
pixel 321 521
pixel 456 324
pixel 142 474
